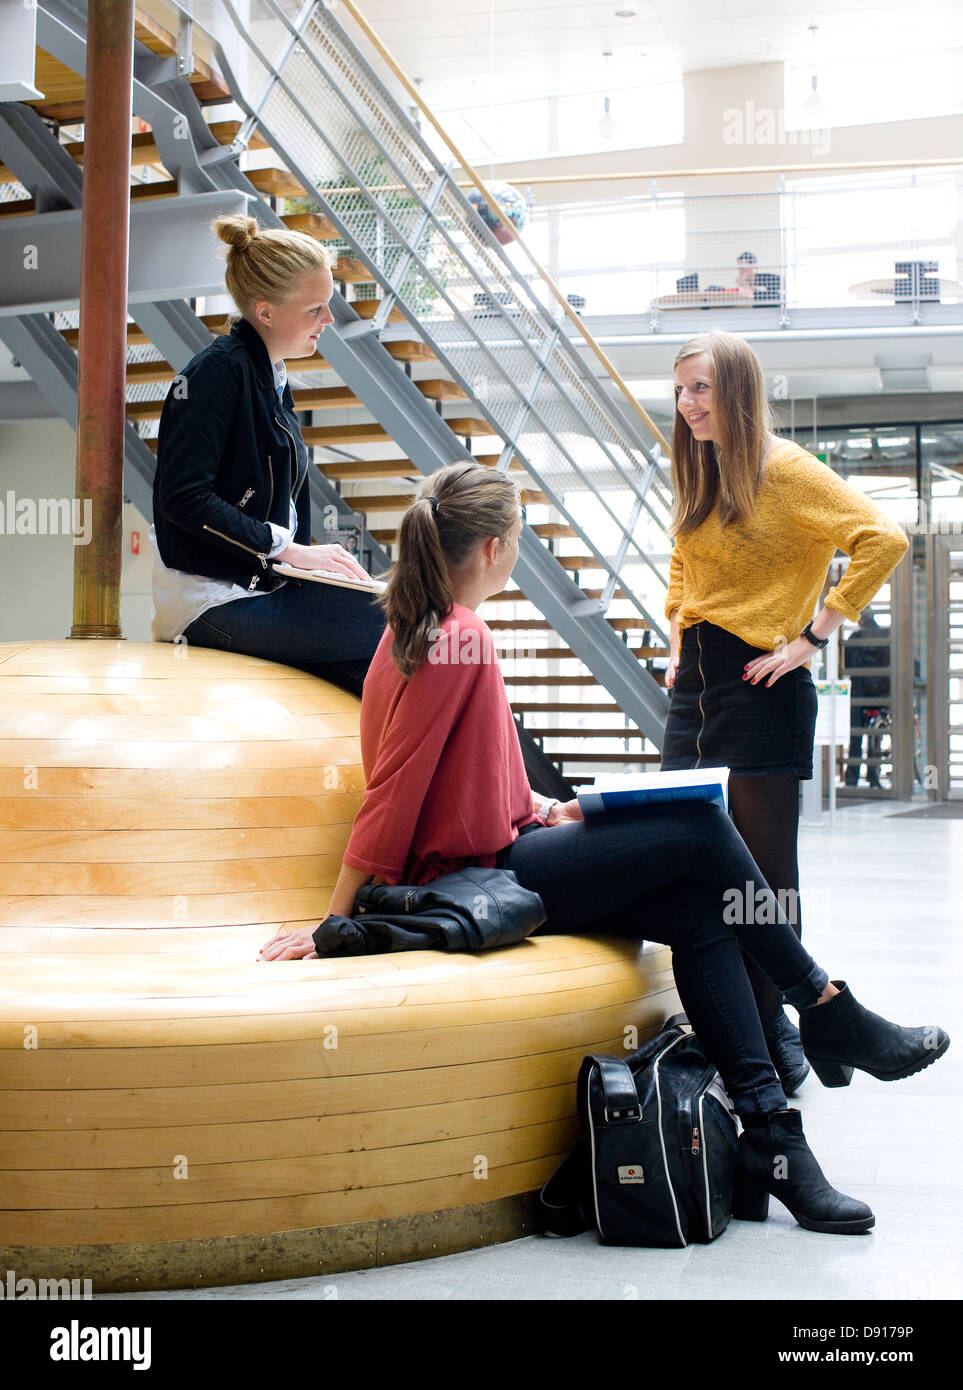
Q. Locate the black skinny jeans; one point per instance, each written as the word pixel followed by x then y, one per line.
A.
pixel 318 628
pixel 677 875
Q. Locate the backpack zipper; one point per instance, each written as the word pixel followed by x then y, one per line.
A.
pixel 665 1158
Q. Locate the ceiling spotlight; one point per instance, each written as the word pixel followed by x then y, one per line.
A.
pixel 625 13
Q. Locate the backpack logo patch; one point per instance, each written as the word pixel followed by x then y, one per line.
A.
pixel 631 1173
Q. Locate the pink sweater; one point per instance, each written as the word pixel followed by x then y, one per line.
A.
pixel 445 780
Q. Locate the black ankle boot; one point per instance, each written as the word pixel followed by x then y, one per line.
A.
pixel 840 1035
pixel 785 1049
pixel 774 1160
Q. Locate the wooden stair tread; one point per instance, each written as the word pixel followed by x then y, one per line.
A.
pixel 276 182
pixel 65 90
pixel 324 397
pixel 159 188
pixel 153 36
pixel 312 224
pixel 468 426
pixel 381 502
pixel 405 349
pixel 519 625
pixel 401 501
pixel 583 733
pixel 539 624
pixel 442 389
pixel 350 271
pixel 564 707
pixel 551 530
pixel 320 398
pixel 18 207
pixel 557 755
pixel 145 373
pixel 368 433
pixel 143 145
pixel 144 410
pixel 550 680
pixel 578 562
pixel 368 308
pixel 558 654
pixel 361 470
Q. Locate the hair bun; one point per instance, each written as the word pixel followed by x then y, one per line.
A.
pixel 238 232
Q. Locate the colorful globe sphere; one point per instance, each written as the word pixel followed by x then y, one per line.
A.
pixel 512 204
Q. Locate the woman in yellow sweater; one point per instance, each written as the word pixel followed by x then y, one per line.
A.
pixel 756 522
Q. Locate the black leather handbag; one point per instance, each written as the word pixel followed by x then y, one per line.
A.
pixel 472 910
pixel 656 1165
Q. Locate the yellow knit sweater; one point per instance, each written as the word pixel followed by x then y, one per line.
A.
pixel 761 578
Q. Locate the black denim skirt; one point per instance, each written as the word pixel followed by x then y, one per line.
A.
pixel 717 719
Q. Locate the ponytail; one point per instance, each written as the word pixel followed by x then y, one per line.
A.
pixel 456 509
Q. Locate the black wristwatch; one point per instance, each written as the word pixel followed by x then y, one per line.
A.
pixel 810 636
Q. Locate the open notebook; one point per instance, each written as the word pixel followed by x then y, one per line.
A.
pixel 340 581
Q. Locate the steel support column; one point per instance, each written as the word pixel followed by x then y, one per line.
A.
pixel 102 349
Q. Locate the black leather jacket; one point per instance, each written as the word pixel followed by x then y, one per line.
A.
pixel 230 458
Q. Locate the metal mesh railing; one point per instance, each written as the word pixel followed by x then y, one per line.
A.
pixel 833 241
pixel 331 116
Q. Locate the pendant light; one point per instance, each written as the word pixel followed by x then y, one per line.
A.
pixel 814 108
pixel 607 127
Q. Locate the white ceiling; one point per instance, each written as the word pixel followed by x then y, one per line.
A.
pixel 544 47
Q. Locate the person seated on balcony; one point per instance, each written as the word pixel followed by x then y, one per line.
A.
pixel 230 491
pixel 746 264
pixel 445 787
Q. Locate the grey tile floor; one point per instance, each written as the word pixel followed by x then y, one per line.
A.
pixel 883 909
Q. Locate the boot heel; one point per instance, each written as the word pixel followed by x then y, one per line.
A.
pixel 832 1073
pixel 750 1200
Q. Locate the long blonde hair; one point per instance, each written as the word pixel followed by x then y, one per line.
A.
pixel 267 262
pixel 728 471
pixel 456 508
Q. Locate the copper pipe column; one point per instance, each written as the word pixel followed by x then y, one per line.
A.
pixel 102 347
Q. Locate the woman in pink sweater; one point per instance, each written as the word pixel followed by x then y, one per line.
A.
pixel 446 787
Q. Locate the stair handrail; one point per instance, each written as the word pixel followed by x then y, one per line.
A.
pixel 626 442
pixel 506 222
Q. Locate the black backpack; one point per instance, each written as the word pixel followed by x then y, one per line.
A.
pixel 656 1164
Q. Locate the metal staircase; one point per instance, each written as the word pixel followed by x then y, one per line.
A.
pixel 456 352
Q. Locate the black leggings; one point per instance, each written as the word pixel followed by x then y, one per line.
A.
pixel 765 811
pixel 681 875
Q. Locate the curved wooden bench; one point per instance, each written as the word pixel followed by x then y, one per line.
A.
pixel 175 1112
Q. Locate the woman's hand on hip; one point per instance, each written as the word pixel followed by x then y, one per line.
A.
pixel 323 557
pixel 780 662
pixel 292 945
